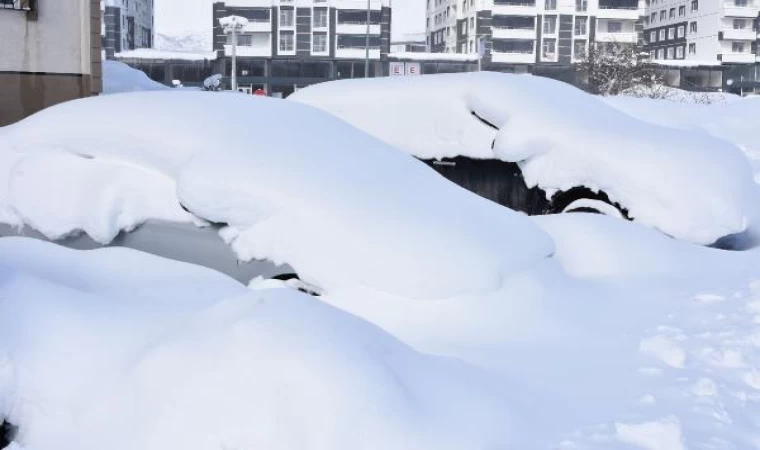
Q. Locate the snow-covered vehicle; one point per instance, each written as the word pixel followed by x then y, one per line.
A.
pixel 541 146
pixel 307 199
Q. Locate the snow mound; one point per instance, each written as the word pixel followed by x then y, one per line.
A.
pixel 114 343
pixel 119 77
pixel 338 216
pixel 687 184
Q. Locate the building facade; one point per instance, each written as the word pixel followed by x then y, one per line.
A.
pixel 702 32
pixel 128 25
pixel 293 43
pixel 525 33
pixel 51 53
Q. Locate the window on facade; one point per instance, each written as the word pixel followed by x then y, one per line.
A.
pixel 672 14
pixel 653 18
pixel 679 52
pixel 319 43
pixel 515 22
pixel 671 33
pixel 737 47
pixel 549 49
pixel 692 49
pixel 662 34
pixel 652 36
pixel 681 11
pixel 550 5
pixel 550 24
pixel 472 23
pixel 320 17
pixel 660 54
pixel 694 5
pixel 740 2
pixel 681 31
pixel 614 26
pixel 693 27
pixel 287 41
pixel 669 54
pixel 579 49
pixel 580 25
pixel 513 46
pixel 663 15
pixel 581 5
pixel 287 17
pixel 739 24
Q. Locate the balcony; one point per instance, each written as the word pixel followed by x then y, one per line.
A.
pixel 356 53
pixel 515 58
pixel 258 26
pixel 731 34
pixel 738 58
pixel 375 5
pixel 619 13
pixel 620 38
pixel 514 33
pixel 250 51
pixel 515 9
pixel 749 12
pixel 356 28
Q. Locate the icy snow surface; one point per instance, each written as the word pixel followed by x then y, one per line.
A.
pixel 337 215
pixel 115 349
pixel 687 184
pixel 119 77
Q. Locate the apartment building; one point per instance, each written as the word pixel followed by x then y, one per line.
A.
pixel 531 32
pixel 292 43
pixel 51 53
pixel 702 32
pixel 128 25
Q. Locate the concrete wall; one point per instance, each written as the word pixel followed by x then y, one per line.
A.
pixel 50 57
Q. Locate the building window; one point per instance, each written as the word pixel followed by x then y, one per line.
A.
pixel 663 15
pixel 660 54
pixel 581 5
pixel 694 5
pixel 740 2
pixel 287 42
pixel 669 54
pixel 652 36
pixel 739 24
pixel 672 14
pixel 737 47
pixel 662 35
pixel 692 49
pixel 581 25
pixel 681 11
pixel 550 24
pixel 693 27
pixel 287 17
pixel 549 48
pixel 671 33
pixel 472 23
pixel 653 18
pixel 681 31
pixel 319 43
pixel 614 26
pixel 679 52
pixel 320 17
pixel 579 49
pixel 550 5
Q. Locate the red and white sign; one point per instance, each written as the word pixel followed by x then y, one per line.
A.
pixel 413 68
pixel 397 68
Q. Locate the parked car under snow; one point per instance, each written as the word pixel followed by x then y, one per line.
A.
pixel 541 146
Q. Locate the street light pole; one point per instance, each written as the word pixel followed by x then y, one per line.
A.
pixel 366 41
pixel 234 59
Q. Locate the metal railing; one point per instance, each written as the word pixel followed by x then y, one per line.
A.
pixel 18 5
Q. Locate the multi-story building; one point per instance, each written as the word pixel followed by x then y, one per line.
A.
pixel 702 32
pixel 128 25
pixel 531 32
pixel 292 43
pixel 50 54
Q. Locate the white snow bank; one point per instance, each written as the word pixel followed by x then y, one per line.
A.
pixel 337 215
pixel 121 350
pixel 688 185
pixel 151 53
pixel 119 77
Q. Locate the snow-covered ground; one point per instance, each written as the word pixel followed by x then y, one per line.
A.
pixel 446 321
pixel 119 77
pixel 561 138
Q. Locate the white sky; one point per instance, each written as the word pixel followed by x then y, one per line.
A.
pixel 182 16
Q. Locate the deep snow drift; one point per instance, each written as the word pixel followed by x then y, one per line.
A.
pixel 687 184
pixel 339 206
pixel 114 349
pixel 119 77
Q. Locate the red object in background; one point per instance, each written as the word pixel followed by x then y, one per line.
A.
pixel 260 92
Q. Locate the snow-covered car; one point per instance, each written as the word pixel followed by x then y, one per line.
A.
pixel 105 166
pixel 541 146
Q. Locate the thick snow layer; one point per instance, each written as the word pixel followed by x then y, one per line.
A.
pixel 150 53
pixel 687 184
pixel 119 77
pixel 337 215
pixel 121 350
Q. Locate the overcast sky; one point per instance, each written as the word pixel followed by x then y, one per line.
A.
pixel 181 16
